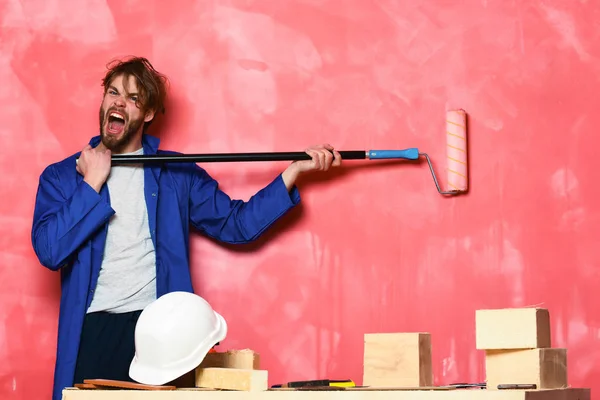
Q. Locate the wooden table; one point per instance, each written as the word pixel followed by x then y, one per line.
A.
pixel 372 394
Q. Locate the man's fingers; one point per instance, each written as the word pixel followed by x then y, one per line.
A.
pixel 322 161
pixel 314 157
pixel 328 157
pixel 323 156
pixel 337 158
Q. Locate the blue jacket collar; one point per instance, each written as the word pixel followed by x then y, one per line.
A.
pixel 149 143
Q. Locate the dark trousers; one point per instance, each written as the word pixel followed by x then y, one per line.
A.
pixel 107 346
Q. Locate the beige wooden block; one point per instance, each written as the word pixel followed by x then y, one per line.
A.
pixel 512 328
pixel 545 367
pixel 397 359
pixel 241 359
pixel 248 380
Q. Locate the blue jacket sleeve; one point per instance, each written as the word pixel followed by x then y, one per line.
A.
pixel 235 221
pixel 63 223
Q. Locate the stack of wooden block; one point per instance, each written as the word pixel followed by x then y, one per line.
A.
pixel 518 348
pixel 232 370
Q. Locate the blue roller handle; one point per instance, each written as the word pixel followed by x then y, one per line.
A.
pixel 410 154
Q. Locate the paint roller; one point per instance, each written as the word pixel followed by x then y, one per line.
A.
pixel 456 151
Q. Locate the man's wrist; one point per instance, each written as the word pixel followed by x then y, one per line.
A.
pixel 289 176
pixel 95 184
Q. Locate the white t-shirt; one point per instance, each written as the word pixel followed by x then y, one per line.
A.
pixel 127 280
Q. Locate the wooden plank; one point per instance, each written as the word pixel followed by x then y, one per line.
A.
pixel 512 328
pixel 397 359
pixel 110 383
pixel 232 379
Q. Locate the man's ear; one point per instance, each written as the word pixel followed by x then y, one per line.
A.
pixel 149 116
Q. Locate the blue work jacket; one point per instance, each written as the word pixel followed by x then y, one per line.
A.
pixel 70 222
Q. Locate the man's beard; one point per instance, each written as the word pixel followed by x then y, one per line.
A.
pixel 130 128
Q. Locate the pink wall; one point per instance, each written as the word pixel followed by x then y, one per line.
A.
pixel 374 248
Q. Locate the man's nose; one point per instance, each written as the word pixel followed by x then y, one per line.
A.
pixel 119 102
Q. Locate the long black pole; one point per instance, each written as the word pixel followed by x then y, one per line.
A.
pixel 228 157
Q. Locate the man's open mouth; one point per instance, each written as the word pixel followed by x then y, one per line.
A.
pixel 116 123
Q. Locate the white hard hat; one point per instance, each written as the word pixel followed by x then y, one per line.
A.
pixel 172 336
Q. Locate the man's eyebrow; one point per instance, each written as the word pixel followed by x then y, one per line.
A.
pixel 115 89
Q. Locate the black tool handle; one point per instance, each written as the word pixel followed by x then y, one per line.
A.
pixel 507 386
pixel 228 157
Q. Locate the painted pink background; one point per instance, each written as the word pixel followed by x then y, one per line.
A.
pixel 374 248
